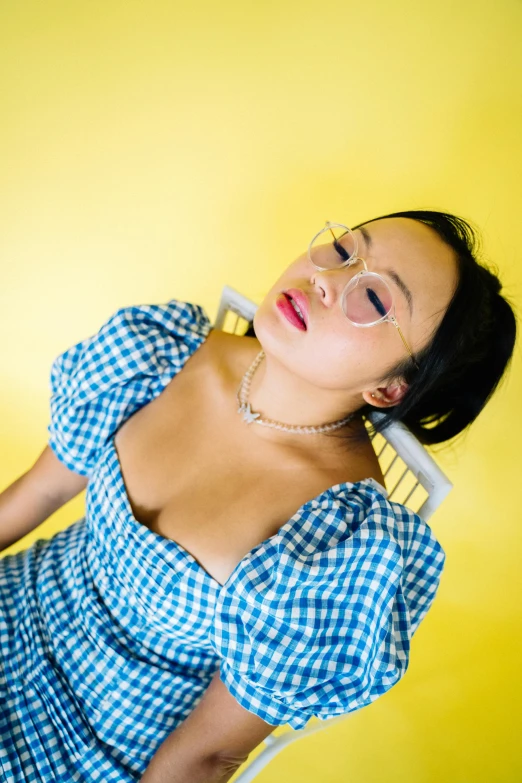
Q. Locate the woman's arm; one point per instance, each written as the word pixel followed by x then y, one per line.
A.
pixel 37 494
pixel 211 744
pixel 175 763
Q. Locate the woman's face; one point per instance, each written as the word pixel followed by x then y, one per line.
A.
pixel 335 354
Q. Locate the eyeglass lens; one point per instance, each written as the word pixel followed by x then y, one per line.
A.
pixel 367 298
pixel 333 245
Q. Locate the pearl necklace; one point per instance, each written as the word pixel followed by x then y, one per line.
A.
pixel 249 416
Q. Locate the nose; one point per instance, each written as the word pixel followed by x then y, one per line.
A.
pixel 338 279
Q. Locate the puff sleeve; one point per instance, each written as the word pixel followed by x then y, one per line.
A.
pixel 318 621
pixel 102 380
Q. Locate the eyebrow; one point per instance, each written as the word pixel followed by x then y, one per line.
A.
pixel 391 272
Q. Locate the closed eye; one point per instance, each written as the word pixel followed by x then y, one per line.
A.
pixel 341 250
pixel 376 302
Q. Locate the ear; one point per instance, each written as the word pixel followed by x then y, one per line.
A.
pixel 386 396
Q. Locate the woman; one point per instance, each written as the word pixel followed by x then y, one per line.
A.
pixel 228 577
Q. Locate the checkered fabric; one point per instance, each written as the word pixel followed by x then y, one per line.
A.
pixel 110 633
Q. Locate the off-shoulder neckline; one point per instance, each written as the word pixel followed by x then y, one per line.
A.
pixel 333 491
pixel 339 488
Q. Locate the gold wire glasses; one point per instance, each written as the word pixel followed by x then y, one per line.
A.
pixel 367 299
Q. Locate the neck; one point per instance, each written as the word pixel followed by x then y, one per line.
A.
pixel 277 394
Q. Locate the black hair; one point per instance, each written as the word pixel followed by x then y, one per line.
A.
pixel 468 354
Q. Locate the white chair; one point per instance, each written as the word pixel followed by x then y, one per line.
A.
pixel 414 478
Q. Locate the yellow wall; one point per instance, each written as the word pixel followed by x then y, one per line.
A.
pixel 156 150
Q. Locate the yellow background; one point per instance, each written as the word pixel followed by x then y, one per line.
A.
pixel 157 150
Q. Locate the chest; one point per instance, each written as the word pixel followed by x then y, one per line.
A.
pixel 193 472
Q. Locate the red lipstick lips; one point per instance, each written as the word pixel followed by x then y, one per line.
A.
pixel 284 305
pixel 301 300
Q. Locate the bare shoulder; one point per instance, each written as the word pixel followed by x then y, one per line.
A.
pixel 231 354
pixel 355 461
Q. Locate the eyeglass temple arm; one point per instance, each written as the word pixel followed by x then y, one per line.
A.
pixel 404 341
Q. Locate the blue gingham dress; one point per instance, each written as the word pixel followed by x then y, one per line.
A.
pixel 111 633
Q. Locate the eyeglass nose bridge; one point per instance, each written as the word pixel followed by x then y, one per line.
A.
pixel 348 263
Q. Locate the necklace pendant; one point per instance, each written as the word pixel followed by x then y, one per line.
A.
pixel 248 416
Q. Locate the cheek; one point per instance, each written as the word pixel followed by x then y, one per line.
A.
pixel 357 357
pixel 341 360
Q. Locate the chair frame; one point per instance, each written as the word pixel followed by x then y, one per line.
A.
pixel 398 438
